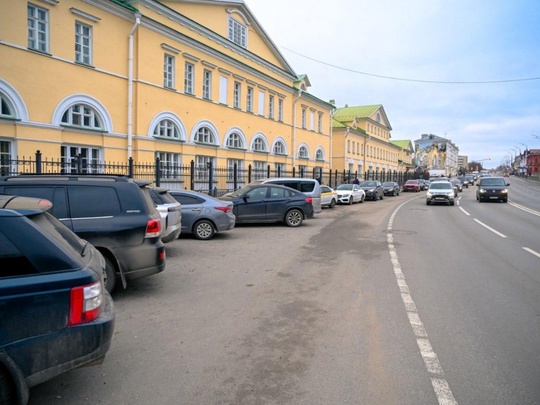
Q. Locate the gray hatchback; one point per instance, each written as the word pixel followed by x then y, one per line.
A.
pixel 203 215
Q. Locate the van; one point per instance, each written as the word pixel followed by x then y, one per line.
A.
pixel 309 187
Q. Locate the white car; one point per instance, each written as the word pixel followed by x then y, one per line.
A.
pixel 350 193
pixel 329 197
pixel 440 192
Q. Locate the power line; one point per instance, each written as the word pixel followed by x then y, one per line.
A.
pixel 411 80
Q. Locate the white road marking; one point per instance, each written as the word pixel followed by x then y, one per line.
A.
pixel 440 385
pixel 531 251
pixel 521 207
pixel 465 212
pixel 491 229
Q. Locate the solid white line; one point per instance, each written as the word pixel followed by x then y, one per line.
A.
pixel 431 361
pixel 491 229
pixel 521 207
pixel 531 251
pixel 466 213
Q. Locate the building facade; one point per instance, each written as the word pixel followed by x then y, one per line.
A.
pixel 437 155
pixel 361 141
pixel 180 80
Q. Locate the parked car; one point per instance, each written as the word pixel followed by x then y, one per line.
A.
pixel 55 312
pixel 329 197
pixel 374 189
pixel 115 214
pixel 170 211
pixel 203 215
pixel 270 203
pixel 391 188
pixel 350 193
pixel 440 192
pixel 310 187
pixel 492 189
pixel 411 185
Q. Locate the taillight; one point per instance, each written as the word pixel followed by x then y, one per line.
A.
pixel 85 305
pixel 153 228
pixel 309 200
pixel 224 209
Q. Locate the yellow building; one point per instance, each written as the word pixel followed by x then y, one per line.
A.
pixel 361 143
pixel 182 80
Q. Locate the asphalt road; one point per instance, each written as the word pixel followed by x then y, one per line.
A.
pixel 386 302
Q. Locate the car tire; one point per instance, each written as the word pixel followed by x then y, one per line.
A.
pixel 109 274
pixel 332 203
pixel 505 200
pixel 8 392
pixel 362 199
pixel 452 202
pixel 204 230
pixel 351 200
pixel 428 202
pixel 294 218
pixel 382 196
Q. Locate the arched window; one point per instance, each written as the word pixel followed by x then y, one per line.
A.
pixel 83 116
pixel 259 145
pixel 205 135
pixel 6 109
pixel 279 148
pixel 235 141
pixel 167 129
pixel 303 152
pixel 319 155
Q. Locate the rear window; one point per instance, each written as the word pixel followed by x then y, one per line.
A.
pixel 91 201
pixel 188 199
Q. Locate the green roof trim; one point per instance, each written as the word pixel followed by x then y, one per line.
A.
pixel 345 114
pixel 403 143
pixel 124 4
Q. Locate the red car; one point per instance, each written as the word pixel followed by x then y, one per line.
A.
pixel 411 185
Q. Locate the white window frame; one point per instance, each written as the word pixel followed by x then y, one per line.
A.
pixel 83 43
pixel 249 99
pixel 189 77
pixel 237 32
pixel 319 155
pixel 282 169
pixel 319 123
pixel 261 103
pixel 168 71
pixel 280 110
pixel 91 158
pixel 167 129
pixel 239 168
pixel 38 28
pixel 170 164
pixel 312 121
pixel 6 167
pixel 207 84
pixel 201 167
pixel 279 148
pixel 259 169
pixel 237 94
pixel 271 107
pixel 303 152
pixel 304 113
pixel 82 116
pixel 235 141
pixel 205 136
pixel 223 88
pixel 259 145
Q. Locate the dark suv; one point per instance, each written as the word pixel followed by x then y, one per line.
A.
pixel 115 214
pixel 55 314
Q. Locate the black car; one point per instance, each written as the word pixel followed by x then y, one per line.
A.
pixel 492 189
pixel 55 312
pixel 391 188
pixel 256 203
pixel 464 181
pixel 115 214
pixel 374 189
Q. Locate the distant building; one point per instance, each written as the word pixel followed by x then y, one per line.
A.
pixel 436 153
pixel 463 163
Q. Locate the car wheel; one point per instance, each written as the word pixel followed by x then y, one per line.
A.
pixel 427 202
pixel 351 200
pixel 505 200
pixel 110 274
pixel 8 394
pixel 332 203
pixel 204 230
pixel 294 218
pixel 452 203
pixel 382 196
pixel 362 199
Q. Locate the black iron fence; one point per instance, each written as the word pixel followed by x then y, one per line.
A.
pixel 205 178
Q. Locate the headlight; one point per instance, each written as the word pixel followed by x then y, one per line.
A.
pixel 371 191
pixel 482 191
pixel 504 191
pixel 428 194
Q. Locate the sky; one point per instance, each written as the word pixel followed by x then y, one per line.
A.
pixel 468 71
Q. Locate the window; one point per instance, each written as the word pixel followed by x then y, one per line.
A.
pixel 235 141
pixel 303 153
pixel 319 155
pixel 188 78
pixel 207 84
pixel 168 71
pixel 304 113
pixel 239 169
pixel 280 109
pixel 249 99
pixel 237 94
pixel 87 202
pixel 5 108
pixel 259 145
pixel 5 158
pixel 89 159
pixel 38 28
pixel 205 135
pixel 279 148
pixel 237 33
pixel 348 146
pixel 261 102
pixel 170 164
pixel 302 169
pixel 279 169
pixel 202 164
pixel 271 107
pixel 223 85
pixel 319 123
pixel 312 121
pixel 80 115
pixel 167 129
pixel 83 43
pixel 259 170
pixel 353 147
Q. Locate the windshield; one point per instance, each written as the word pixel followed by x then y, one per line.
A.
pixel 439 185
pixel 344 187
pixel 388 184
pixel 493 181
pixel 368 184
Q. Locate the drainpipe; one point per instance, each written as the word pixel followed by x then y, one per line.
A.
pixel 294 126
pixel 130 87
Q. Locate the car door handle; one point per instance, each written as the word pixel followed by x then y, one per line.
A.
pixel 196 209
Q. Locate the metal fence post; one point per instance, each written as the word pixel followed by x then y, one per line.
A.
pixel 130 167
pixel 192 176
pixel 38 162
pixel 158 172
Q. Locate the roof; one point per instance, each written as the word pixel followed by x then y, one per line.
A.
pixel 350 113
pixel 403 143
